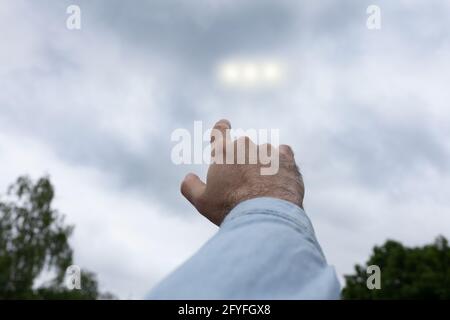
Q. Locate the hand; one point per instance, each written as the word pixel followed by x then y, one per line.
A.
pixel 229 184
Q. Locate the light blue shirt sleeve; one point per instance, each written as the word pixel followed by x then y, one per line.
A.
pixel 265 249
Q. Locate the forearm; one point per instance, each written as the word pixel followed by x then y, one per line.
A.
pixel 265 249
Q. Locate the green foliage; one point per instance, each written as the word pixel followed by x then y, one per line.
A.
pixel 33 241
pixel 406 273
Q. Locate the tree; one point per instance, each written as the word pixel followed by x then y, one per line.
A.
pixel 406 273
pixel 33 242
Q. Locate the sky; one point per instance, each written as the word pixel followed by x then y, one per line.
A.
pixel 366 112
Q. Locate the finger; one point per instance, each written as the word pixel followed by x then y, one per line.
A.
pixel 265 148
pixel 221 130
pixel 286 151
pixel 245 151
pixel 192 188
pixel 220 136
pixel 264 153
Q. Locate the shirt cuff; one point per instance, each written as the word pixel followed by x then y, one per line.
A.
pixel 275 208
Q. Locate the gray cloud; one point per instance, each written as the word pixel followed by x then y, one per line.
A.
pixel 366 111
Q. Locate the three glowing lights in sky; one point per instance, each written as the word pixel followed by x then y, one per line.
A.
pixel 245 73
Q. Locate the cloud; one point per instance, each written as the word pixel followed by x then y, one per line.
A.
pixel 366 112
pixel 128 242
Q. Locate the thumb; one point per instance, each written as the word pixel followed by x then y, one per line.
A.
pixel 192 188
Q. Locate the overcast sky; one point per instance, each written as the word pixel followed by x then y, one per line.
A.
pixel 366 111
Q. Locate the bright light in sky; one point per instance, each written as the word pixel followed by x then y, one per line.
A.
pixel 248 73
pixel 272 72
pixel 230 73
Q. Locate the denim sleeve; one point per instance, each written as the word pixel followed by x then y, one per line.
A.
pixel 265 249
